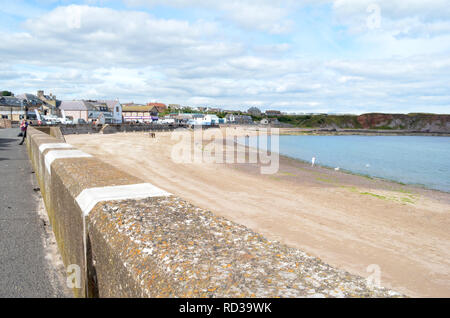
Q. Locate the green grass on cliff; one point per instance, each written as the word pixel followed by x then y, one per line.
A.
pixel 317 121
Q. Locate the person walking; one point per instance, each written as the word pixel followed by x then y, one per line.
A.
pixel 23 128
pixel 313 161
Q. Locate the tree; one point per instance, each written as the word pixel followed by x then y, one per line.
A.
pixel 6 93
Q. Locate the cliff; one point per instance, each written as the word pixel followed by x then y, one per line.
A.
pixel 417 122
pixel 410 122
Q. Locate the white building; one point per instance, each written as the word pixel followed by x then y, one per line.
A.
pixel 115 107
pixel 211 119
pixel 206 120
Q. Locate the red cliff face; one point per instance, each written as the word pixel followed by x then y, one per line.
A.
pixel 418 122
pixel 368 121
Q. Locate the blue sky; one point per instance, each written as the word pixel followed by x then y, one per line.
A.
pixel 339 56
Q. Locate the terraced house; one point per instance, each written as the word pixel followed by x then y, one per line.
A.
pixel 14 108
pixel 49 103
pixel 105 111
pixel 148 113
pixel 115 107
pixel 135 113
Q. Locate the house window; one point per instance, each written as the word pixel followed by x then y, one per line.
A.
pixel 117 109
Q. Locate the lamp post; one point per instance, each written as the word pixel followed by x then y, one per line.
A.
pixel 26 110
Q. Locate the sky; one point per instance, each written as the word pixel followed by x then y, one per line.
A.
pixel 333 56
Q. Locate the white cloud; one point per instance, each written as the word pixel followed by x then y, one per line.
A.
pixel 270 16
pixel 98 52
pixel 260 15
pixel 82 36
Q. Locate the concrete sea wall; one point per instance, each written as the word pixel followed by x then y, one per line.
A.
pixel 68 179
pixel 117 128
pixel 113 128
pixel 122 237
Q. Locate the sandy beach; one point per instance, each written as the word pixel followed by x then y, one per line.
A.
pixel 346 220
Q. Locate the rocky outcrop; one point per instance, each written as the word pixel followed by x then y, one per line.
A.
pixel 416 122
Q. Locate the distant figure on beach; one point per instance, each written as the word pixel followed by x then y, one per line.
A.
pixel 313 161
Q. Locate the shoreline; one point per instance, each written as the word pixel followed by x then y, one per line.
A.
pixel 339 132
pixel 418 186
pixel 360 132
pixel 287 133
pixel 349 221
pixel 389 182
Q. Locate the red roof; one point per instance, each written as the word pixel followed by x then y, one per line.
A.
pixel 157 105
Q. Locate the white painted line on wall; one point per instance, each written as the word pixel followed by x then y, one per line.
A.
pixel 63 154
pixel 44 147
pixel 88 198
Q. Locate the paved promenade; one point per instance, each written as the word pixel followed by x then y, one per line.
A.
pixel 28 262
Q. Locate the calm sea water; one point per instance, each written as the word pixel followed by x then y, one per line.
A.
pixel 420 160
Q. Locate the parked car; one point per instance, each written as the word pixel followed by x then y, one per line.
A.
pixel 65 121
pixel 49 119
pixel 30 116
pixel 80 121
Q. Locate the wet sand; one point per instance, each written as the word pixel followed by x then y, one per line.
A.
pixel 348 221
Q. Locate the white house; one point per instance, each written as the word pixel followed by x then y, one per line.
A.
pixel 206 120
pixel 231 118
pixel 211 119
pixel 239 119
pixel 76 109
pixel 115 107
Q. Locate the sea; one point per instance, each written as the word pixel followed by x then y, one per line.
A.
pixel 415 160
